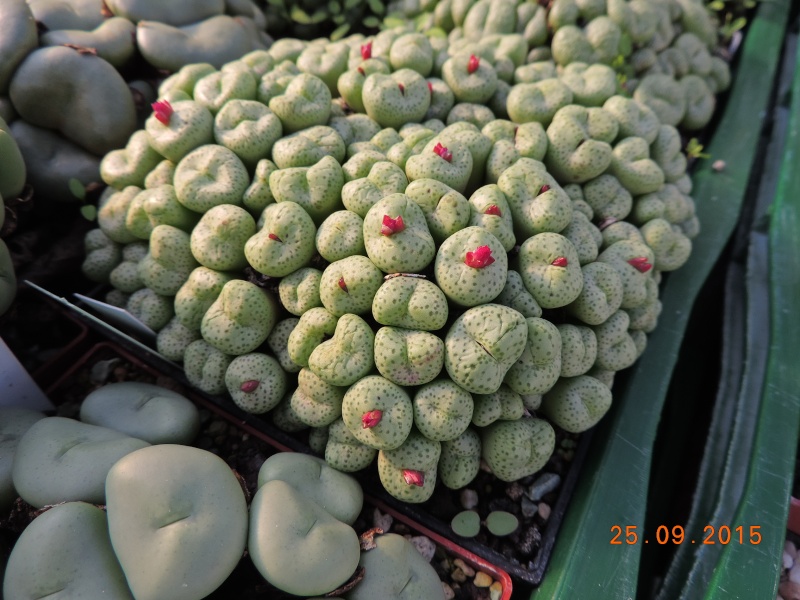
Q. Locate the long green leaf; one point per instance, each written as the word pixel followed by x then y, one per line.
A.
pixel 751 570
pixel 729 443
pixel 613 487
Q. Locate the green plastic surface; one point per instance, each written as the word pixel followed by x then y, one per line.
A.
pixel 751 570
pixel 614 482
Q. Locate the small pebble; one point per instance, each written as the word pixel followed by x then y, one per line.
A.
pixel 718 165
pixel 789 590
pixel 515 491
pixel 469 499
pixel 794 574
pixel 459 576
pixel 382 521
pixel 545 483
pixel 468 571
pixel 544 510
pixel 217 428
pixel 482 580
pixel 496 590
pixel 424 546
pixel 101 370
pixel 528 507
pixel 449 594
pixel 788 561
pixel 790 549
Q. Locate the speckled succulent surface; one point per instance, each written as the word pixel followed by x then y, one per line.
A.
pixel 426 249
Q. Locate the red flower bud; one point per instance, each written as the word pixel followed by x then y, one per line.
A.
pixel 163 111
pixel 561 261
pixel 481 257
pixel 473 64
pixel 250 386
pixel 391 225
pixel 366 51
pixel 640 264
pixel 443 152
pixel 493 210
pixel 360 70
pixel 413 477
pixel 343 285
pixel 402 88
pixel 544 189
pixel 430 88
pixel 272 236
pixel 371 419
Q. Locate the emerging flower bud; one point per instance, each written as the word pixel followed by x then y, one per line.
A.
pixel 366 51
pixel 481 257
pixel 493 210
pixel 402 88
pixel 544 188
pixel 443 152
pixel 606 222
pixel 250 386
pixel 473 64
pixel 640 264
pixel 274 237
pixel 391 225
pixel 360 70
pixel 371 419
pixel 343 285
pixel 430 88
pixel 561 261
pixel 413 477
pixel 163 111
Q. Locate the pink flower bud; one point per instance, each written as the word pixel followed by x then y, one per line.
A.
pixel 413 477
pixel 163 111
pixel 430 88
pixel 561 261
pixel 343 285
pixel 607 222
pixel 481 257
pixel 274 237
pixel 371 419
pixel 402 88
pixel 366 51
pixel 391 225
pixel 473 64
pixel 443 152
pixel 493 210
pixel 544 188
pixel 640 264
pixel 250 386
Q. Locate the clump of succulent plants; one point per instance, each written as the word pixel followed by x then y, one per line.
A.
pixel 429 250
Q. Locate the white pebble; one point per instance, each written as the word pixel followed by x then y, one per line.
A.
pixel 382 521
pixel 449 594
pixel 469 499
pixel 790 548
pixel 424 546
pixel 544 510
pixel 794 574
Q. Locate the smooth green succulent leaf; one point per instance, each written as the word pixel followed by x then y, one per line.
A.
pixel 467 523
pixel 501 523
pixel 341 30
pixel 89 212
pixel 77 189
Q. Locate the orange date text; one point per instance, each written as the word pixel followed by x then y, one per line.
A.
pixel 723 535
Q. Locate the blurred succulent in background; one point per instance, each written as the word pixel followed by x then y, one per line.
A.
pixel 308 19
